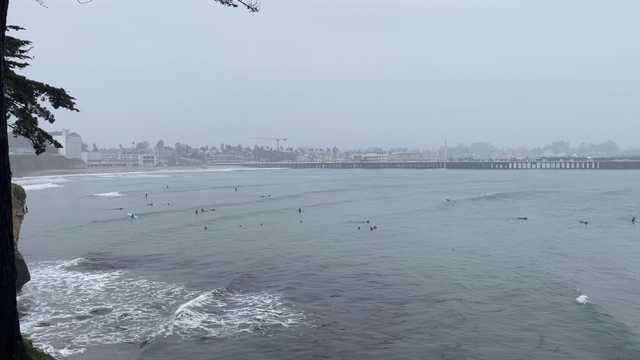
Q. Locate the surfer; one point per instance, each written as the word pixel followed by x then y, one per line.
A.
pixel 522 218
pixel 633 220
pixel 236 189
pixel 206 228
pixel 584 222
pixel 196 211
pixel 118 209
pixel 299 210
pixel 146 196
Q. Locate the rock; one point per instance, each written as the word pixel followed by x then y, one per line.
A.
pixel 19 200
pixel 22 272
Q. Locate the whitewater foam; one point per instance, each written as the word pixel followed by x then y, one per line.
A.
pixel 222 313
pixel 41 182
pixel 583 299
pixel 109 194
pixel 65 309
pixel 41 186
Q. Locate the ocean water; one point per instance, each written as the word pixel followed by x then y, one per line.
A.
pixel 449 273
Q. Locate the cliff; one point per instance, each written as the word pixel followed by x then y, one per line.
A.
pixel 23 165
pixel 19 200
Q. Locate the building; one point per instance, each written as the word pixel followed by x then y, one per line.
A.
pixel 71 143
pixel 119 158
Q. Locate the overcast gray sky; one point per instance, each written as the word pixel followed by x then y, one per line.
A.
pixel 348 73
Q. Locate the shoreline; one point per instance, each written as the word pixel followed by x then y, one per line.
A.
pixel 128 170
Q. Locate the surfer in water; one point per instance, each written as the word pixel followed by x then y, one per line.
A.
pixel 299 210
pixel 633 220
pixel 522 218
pixel 146 196
pixel 584 222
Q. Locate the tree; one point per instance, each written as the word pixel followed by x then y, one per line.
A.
pixel 27 111
pixel 25 102
pixel 29 101
pixel 160 145
pixel 142 146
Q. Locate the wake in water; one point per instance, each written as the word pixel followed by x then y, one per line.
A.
pixel 65 309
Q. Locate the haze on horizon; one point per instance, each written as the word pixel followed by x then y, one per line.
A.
pixel 353 73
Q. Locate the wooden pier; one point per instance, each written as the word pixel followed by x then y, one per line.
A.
pixel 602 164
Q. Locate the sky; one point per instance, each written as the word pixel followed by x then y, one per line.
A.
pixel 349 73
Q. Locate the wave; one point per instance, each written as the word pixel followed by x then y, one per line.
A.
pixel 507 195
pixel 223 313
pixel 40 183
pixel 40 180
pixel 41 186
pixel 109 194
pixel 65 309
pixel 583 299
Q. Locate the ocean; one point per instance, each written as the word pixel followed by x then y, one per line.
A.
pixel 333 264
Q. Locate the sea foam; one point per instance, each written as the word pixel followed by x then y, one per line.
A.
pixel 583 299
pixel 109 194
pixel 65 309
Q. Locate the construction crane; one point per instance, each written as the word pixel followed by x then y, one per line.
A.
pixel 277 140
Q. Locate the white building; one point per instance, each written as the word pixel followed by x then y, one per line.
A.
pixel 71 144
pixel 119 158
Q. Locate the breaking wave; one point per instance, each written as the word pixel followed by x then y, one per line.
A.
pixel 40 182
pixel 583 299
pixel 222 313
pixel 109 194
pixel 41 186
pixel 507 195
pixel 64 309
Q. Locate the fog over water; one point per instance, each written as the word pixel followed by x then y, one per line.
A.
pixel 350 73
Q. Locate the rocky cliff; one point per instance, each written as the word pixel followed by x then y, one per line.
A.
pixel 19 199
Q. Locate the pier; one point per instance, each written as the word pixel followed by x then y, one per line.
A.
pixel 589 164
